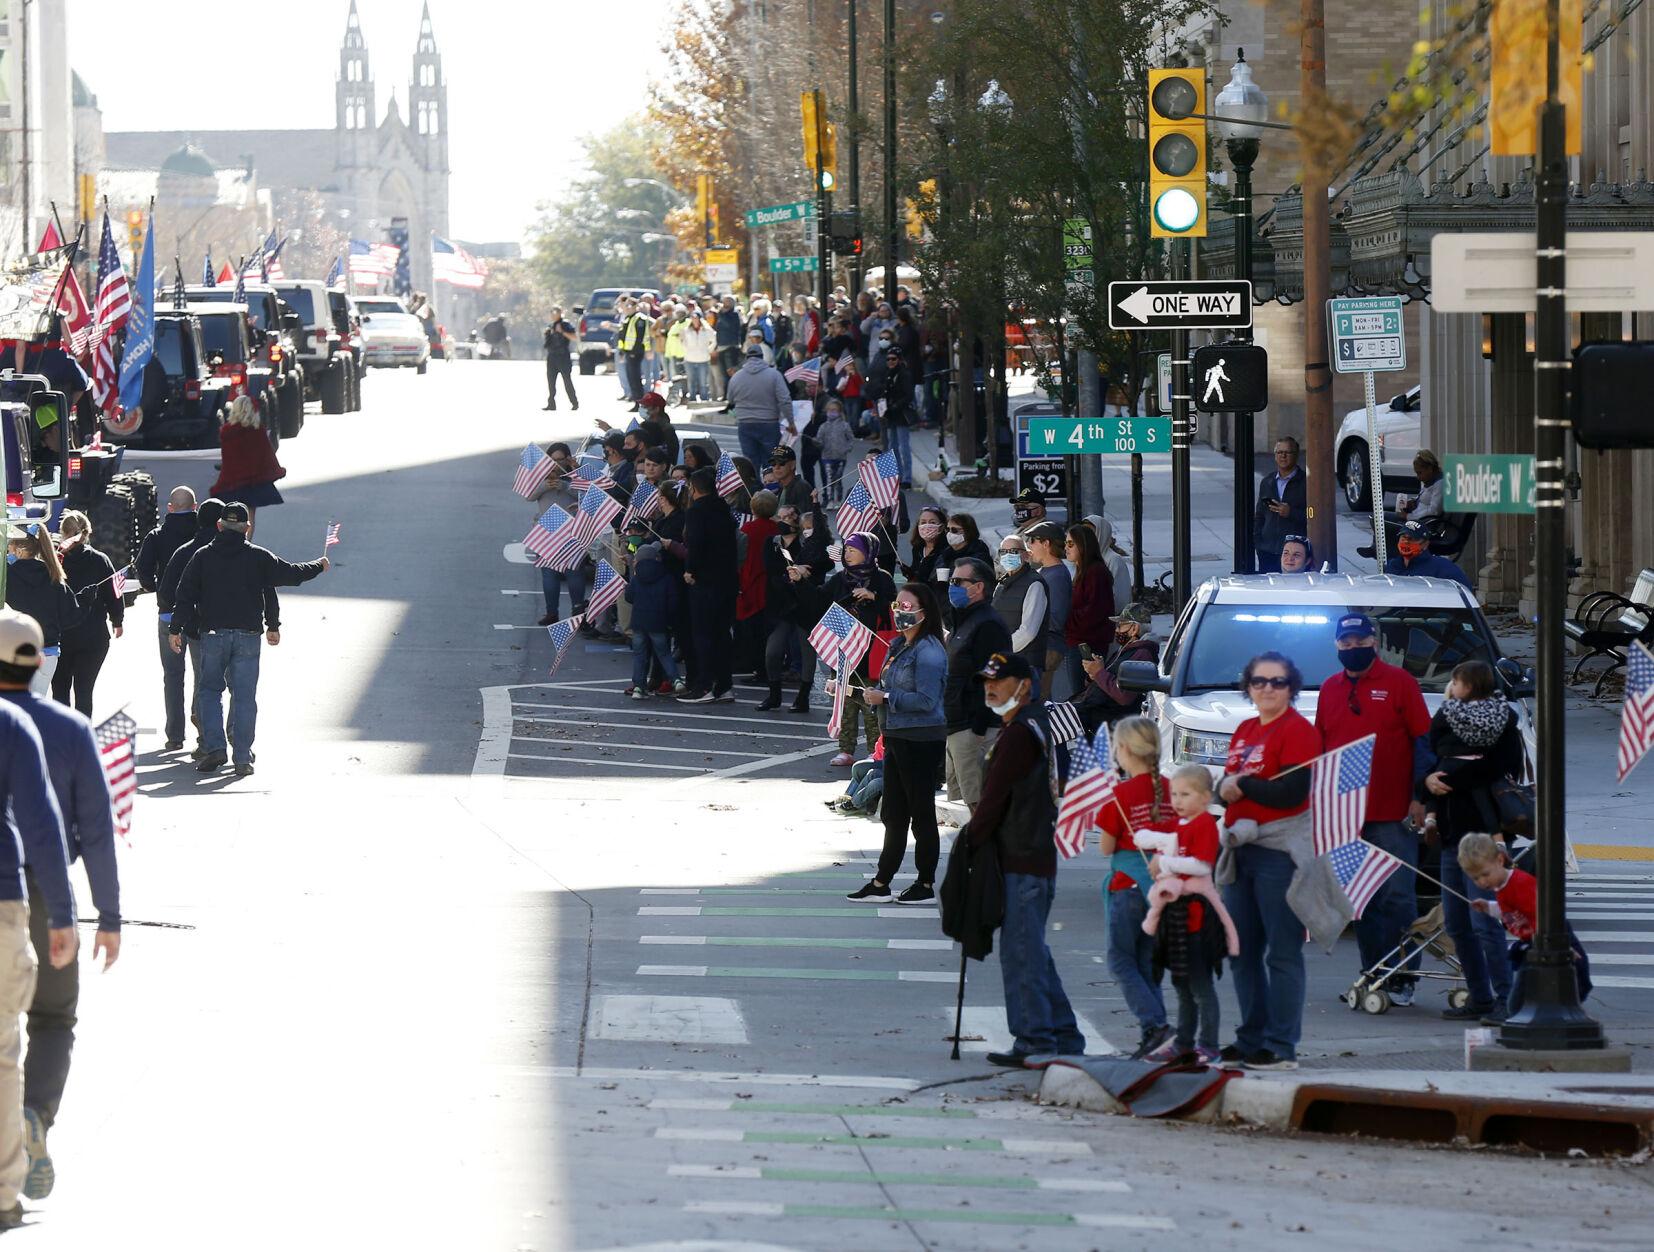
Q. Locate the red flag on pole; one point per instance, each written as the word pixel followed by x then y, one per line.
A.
pixel 77 315
pixel 226 275
pixel 51 240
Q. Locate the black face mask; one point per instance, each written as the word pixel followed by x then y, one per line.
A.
pixel 1357 660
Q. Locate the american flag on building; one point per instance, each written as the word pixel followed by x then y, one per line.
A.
pixel 114 740
pixel 1637 714
pixel 113 302
pixel 1090 786
pixel 1361 870
pixel 591 471
pixel 372 261
pixel 562 634
pixel 543 537
pixel 533 467
pixel 453 265
pixel 607 587
pixel 882 476
pixel 729 478
pixel 1338 793
pixel 858 512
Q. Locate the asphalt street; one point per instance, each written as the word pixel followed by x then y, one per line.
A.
pixel 484 959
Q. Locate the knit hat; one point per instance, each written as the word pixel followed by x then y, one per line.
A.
pixel 864 542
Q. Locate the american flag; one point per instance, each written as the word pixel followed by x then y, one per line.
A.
pixel 114 739
pixel 239 295
pixel 729 478
pixel 1637 714
pixel 336 275
pixel 606 589
pixel 597 509
pixel 840 635
pixel 1361 870
pixel 858 512
pixel 542 538
pixel 1338 793
pixel 332 537
pixel 372 260
pixel 882 476
pixel 1064 721
pixel 452 264
pixel 645 503
pixel 808 372
pixel 533 467
pixel 119 579
pixel 841 684
pixel 113 303
pixel 1090 786
pixel 209 276
pixel 562 634
pixel 591 471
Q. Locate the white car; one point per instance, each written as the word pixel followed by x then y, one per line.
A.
pixel 392 339
pixel 1425 625
pixel 380 304
pixel 1400 421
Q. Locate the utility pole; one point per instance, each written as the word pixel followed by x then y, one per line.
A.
pixel 23 163
pixel 1182 437
pixel 893 228
pixel 1318 431
pixel 853 104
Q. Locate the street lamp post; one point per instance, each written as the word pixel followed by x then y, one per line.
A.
pixel 893 229
pixel 1243 106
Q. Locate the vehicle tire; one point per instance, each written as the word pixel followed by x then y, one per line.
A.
pixel 145 500
pixel 588 362
pixel 114 518
pixel 290 414
pixel 1458 998
pixel 353 386
pixel 1355 477
pixel 420 368
pixel 333 388
pixel 1376 1002
pixel 361 373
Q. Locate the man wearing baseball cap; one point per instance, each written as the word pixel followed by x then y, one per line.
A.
pixel 1018 811
pixel 1413 557
pixel 789 488
pixel 225 599
pixel 82 792
pixel 1368 696
pixel 1028 510
pixel 1103 699
pixel 32 833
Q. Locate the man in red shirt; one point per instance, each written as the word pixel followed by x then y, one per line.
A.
pixel 1372 697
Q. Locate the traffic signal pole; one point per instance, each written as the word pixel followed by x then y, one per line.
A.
pixel 1318 427
pixel 1182 437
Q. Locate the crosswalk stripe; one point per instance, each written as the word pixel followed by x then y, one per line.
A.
pixel 1610 980
pixel 790 941
pixel 803 974
pixel 1617 936
pixel 637 747
pixel 617 762
pixel 777 1173
pixel 676 730
pixel 698 910
pixel 1014 1147
pixel 742 891
pixel 675 714
pixel 968 1216
pixel 1619 958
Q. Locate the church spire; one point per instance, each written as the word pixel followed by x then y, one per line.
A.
pixel 353 28
pixel 427 40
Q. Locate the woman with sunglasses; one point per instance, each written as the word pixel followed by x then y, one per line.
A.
pixel 1267 826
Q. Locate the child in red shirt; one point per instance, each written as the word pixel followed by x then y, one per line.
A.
pixel 1516 905
pixel 1187 852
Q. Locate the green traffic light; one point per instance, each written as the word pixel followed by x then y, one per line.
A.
pixel 1177 210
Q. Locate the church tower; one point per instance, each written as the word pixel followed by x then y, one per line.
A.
pixel 354 117
pixel 428 122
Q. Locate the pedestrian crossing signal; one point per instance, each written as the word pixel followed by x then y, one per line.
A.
pixel 1177 154
pixel 1230 378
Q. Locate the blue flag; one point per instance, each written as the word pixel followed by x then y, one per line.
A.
pixel 337 273
pixel 140 325
pixel 208 278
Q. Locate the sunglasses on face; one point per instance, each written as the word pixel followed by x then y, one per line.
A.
pixel 1258 682
pixel 963 582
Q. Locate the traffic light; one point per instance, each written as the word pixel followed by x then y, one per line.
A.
pixel 1610 384
pixel 135 230
pixel 844 233
pixel 1230 377
pixel 812 106
pixel 1177 154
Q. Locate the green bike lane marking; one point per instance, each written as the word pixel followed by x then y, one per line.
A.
pixel 975 1217
pixel 841 975
pixel 1016 1147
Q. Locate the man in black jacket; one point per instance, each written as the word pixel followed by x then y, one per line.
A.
pixel 176 530
pixel 1282 506
pixel 978 633
pixel 559 359
pixel 172 663
pixel 709 571
pixel 221 599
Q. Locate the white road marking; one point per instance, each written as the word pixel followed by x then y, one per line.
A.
pixel 672 971
pixel 640 747
pixel 736 1208
pixel 1609 914
pixel 715 1077
pixel 668 1019
pixel 735 771
pixel 507 591
pixel 920 945
pixel 701 1134
pixel 669 891
pixel 1618 936
pixel 665 910
pixel 516 554
pixel 691 1106
pixel 1085 1184
pixel 1620 958
pixel 925 975
pixel 1045 1147
pixel 508 626
pixel 495 741
pixel 662 910
pixel 989 1022
pixel 671 730
pixel 676 714
pixel 1642 984
pixel 714 1171
pixel 586 760
pixel 1123 1221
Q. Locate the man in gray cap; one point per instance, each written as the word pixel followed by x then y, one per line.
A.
pixel 1103 699
pixel 223 600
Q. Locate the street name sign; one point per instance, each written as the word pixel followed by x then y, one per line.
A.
pixel 794 264
pixel 1367 337
pixel 776 214
pixel 1230 378
pixel 1106 436
pixel 1180 305
pixel 1485 482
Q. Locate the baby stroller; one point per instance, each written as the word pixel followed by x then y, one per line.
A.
pixel 1425 937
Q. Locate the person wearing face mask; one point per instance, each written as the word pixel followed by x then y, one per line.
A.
pixel 965 539
pixel 978 633
pixel 909 699
pixel 866 592
pixel 37 587
pixel 1018 811
pixel 1297 556
pixel 931 556
pixel 1045 612
pixel 1103 699
pixel 1414 558
pixel 1368 696
pixel 1017 581
pixel 794 566
pixel 1027 510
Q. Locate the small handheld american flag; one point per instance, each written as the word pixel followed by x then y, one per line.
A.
pixel 841 685
pixel 1361 870
pixel 533 468
pixel 542 538
pixel 1090 786
pixel 806 372
pixel 858 512
pixel 840 637
pixel 119 579
pixel 1338 793
pixel 591 472
pixel 332 539
pixel 114 740
pixel 597 509
pixel 882 476
pixel 1064 721
pixel 562 634
pixel 607 587
pixel 645 503
pixel 1637 714
pixel 729 478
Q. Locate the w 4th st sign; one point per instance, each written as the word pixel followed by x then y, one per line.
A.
pixel 1179 305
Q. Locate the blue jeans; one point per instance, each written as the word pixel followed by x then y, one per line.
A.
pixel 1036 1007
pixel 1478 939
pixel 552 583
pixel 230 658
pixel 758 440
pixel 901 441
pixel 1395 906
pixel 645 643
pixel 1269 972
pixel 700 380
pixel 1131 956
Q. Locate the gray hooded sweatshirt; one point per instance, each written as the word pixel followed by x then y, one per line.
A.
pixel 758 393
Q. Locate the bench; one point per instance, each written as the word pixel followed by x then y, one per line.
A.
pixel 1607 623
pixel 1450 534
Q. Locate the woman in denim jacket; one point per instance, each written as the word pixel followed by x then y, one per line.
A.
pixel 909 700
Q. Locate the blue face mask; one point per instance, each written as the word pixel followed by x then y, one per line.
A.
pixel 11 558
pixel 958 596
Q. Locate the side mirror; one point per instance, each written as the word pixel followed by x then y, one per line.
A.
pixel 579 309
pixel 1398 404
pixel 1520 681
pixel 292 322
pixel 1142 676
pixel 49 464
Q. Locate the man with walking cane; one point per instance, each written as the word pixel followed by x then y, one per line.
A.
pixel 1018 815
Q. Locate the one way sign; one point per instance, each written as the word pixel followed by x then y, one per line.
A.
pixel 1179 305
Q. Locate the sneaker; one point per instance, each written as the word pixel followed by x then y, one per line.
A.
pixel 243 769
pixel 1170 1050
pixel 724 697
pixel 870 891
pixel 664 688
pixel 212 762
pixel 842 761
pixel 679 686
pixel 1152 1038
pixel 1010 1060
pixel 638 693
pixel 918 893
pixel 1496 1015
pixel 1267 1060
pixel 1401 995
pixel 1467 1012
pixel 695 697
pixel 38 1183
pixel 1231 1055
pixel 1206 1056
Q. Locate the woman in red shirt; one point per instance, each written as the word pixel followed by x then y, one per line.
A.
pixel 248 466
pixel 1091 611
pixel 1268 828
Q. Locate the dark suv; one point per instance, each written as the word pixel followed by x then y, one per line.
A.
pixel 273 326
pixel 182 402
pixel 597 341
pixel 347 324
pixel 228 341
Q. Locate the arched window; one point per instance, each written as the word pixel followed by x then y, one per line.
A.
pixel 436 113
pixel 353 70
pixel 422 115
pixel 361 116
pixel 427 76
